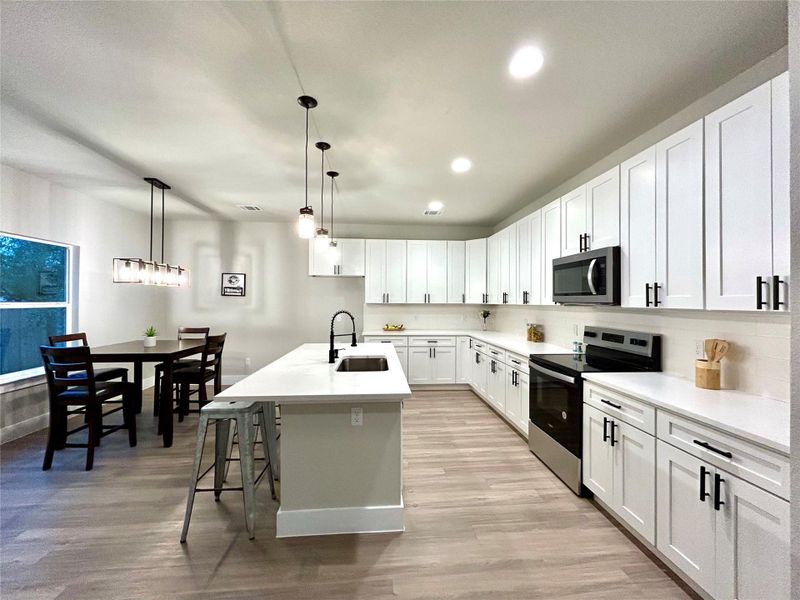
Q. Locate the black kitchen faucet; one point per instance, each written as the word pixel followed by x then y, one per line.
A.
pixel 333 354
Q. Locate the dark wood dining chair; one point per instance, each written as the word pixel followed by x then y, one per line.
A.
pixel 104 374
pixel 74 389
pixel 184 333
pixel 209 369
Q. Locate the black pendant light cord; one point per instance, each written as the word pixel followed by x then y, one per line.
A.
pixel 162 225
pixel 322 191
pixel 306 157
pixel 332 185
pixel 151 222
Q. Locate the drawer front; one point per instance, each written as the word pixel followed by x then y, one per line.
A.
pixel 517 361
pixel 496 353
pixel 432 341
pixel 760 466
pixel 480 346
pixel 399 342
pixel 625 408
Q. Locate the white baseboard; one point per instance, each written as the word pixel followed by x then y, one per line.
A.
pixel 332 521
pixel 23 428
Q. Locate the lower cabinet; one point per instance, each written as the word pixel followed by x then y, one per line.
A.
pixel 729 536
pixel 430 365
pixel 480 372
pixel 402 355
pixel 517 401
pixel 496 387
pixel 464 360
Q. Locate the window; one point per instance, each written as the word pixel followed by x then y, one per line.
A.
pixel 35 302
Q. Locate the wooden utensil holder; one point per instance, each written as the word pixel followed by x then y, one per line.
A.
pixel 706 374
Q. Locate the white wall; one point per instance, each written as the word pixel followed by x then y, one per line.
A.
pixel 107 312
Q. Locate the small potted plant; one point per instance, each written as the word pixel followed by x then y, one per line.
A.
pixel 485 314
pixel 150 337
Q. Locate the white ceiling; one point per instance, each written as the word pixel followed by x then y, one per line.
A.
pixel 96 95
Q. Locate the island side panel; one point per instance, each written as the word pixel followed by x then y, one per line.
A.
pixel 337 477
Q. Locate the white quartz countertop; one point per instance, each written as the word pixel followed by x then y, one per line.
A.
pixel 508 341
pixel 303 376
pixel 759 419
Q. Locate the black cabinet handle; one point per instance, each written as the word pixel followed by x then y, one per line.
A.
pixel 617 406
pixel 605 429
pixel 647 294
pixel 477 358
pixel 463 298
pixel 703 493
pixel 776 292
pixel 760 302
pixel 580 243
pixel 656 301
pixel 613 439
pixel 718 491
pixel 708 446
pixel 434 353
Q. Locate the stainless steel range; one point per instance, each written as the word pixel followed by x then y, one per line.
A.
pixel 556 393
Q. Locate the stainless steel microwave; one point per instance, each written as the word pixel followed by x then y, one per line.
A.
pixel 587 278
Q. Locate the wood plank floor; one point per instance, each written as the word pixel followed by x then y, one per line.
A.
pixel 484 519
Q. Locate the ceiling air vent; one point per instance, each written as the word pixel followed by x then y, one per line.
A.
pixel 430 212
pixel 248 207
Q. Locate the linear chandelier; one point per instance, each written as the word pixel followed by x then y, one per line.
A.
pixel 151 272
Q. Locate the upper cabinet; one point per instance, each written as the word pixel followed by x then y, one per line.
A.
pixel 662 223
pixel 590 215
pixel 573 221
pixel 529 259
pixel 456 272
pixel 493 292
pixel 475 273
pixel 426 271
pixel 345 260
pixel 551 247
pixel 746 200
pixel 385 272
pixel 502 266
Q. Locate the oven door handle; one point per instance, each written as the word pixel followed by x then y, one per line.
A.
pixel 590 276
pixel 553 374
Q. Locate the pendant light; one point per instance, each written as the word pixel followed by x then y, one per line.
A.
pixel 333 244
pixel 150 272
pixel 305 223
pixel 322 233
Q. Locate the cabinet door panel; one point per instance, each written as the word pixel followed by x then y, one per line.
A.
pixel 524 270
pixel 512 398
pixel 396 271
pixel 320 259
pixel 780 176
pixel 456 272
pixel 437 272
pixel 402 356
pixel 496 391
pixel 598 455
pixel 351 256
pixel 444 365
pixel 417 269
pixel 420 365
pixel 480 369
pixel 573 220
pixel 685 525
pixel 638 227
pixel 679 180
pixel 738 147
pixel 753 554
pixel 551 247
pixel 493 269
pixel 635 479
pixel 535 293
pixel 524 400
pixel 375 271
pixel 602 210
pixel 476 271
pixel 464 359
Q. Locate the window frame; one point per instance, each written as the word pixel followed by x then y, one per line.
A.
pixel 35 376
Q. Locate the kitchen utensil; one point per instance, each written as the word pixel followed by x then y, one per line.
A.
pixel 706 374
pixel 721 348
pixel 708 347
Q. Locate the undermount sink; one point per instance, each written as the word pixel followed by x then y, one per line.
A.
pixel 363 363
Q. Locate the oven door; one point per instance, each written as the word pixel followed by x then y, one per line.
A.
pixel 556 406
pixel 587 278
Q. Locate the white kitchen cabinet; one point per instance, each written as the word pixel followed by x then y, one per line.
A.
pixel 346 260
pixel 508 265
pixel 385 273
pixel 551 247
pixel 419 365
pixel 516 398
pixel 634 497
pixel 573 221
pixel 426 270
pixel 402 356
pixel 686 524
pixel 742 206
pixel 496 385
pixel 480 373
pixel 464 360
pixel 476 271
pixel 456 272
pixel 443 366
pixel 523 389
pixel 529 259
pixel 598 454
pixel 493 291
pixel 781 221
pixel 431 364
pixel 602 210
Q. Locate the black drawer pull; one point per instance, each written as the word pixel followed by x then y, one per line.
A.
pixel 703 493
pixel 605 429
pixel 617 406
pixel 717 491
pixel 613 439
pixel 708 446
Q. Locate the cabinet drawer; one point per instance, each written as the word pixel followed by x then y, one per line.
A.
pixel 625 408
pixel 479 346
pixel 760 466
pixel 496 353
pixel 517 361
pixel 399 342
pixel 432 341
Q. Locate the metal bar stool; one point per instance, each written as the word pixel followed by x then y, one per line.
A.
pixel 243 415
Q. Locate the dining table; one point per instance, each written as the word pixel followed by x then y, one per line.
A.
pixel 164 351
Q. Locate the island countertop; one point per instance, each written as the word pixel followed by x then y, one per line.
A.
pixel 304 376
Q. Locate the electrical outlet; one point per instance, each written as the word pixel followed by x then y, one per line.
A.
pixel 575 330
pixel 699 349
pixel 356 416
pixel 247 365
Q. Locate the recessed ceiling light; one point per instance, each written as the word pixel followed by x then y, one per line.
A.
pixel 461 165
pixel 435 206
pixel 526 62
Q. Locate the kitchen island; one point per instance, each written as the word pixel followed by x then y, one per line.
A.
pixel 341 438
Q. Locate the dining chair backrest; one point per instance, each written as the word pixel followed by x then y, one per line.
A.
pixel 193 333
pixel 212 353
pixel 60 361
pixel 69 337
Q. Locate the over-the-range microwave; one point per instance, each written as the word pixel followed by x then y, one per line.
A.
pixel 587 278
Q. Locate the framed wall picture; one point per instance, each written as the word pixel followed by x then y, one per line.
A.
pixel 234 284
